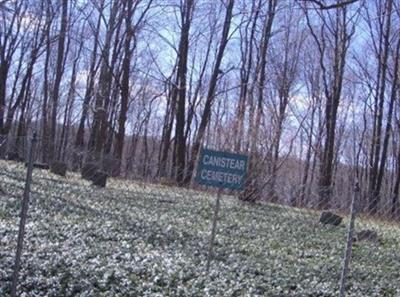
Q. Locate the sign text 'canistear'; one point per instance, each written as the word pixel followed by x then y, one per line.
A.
pixel 221 169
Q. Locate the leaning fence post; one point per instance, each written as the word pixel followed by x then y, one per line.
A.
pixel 349 243
pixel 23 216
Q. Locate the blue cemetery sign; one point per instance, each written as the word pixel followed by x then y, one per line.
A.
pixel 221 169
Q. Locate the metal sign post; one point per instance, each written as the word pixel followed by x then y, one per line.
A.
pixel 349 243
pixel 224 171
pixel 23 217
pixel 213 230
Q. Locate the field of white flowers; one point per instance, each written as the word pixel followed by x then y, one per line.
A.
pixel 136 239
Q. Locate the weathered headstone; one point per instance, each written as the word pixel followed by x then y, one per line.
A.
pixel 88 170
pixel 99 178
pixel 329 218
pixel 369 235
pixel 167 201
pixel 111 166
pixel 14 156
pixel 39 165
pixel 59 168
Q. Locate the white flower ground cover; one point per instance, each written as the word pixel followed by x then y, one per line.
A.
pixel 136 239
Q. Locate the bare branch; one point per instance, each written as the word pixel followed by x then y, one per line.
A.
pixel 324 6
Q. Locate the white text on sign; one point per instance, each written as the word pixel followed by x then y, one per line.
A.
pixel 224 162
pixel 221 177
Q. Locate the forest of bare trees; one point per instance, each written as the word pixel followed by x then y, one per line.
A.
pixel 309 90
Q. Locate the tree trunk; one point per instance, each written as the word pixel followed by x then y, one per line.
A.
pixel 211 93
pixel 57 80
pixel 253 188
pixel 186 15
pixel 126 64
pixel 80 134
pixel 97 133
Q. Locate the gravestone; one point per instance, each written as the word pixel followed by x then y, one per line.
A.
pixel 99 178
pixel 14 156
pixel 369 235
pixel 59 168
pixel 329 218
pixel 88 170
pixel 39 165
pixel 111 166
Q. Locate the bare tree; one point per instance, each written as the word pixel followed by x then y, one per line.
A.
pixel 102 96
pixel 58 77
pixel 247 34
pixel 378 151
pixel 211 91
pixel 285 66
pixel 253 188
pixel 186 17
pixel 130 31
pixel 80 135
pixel 333 37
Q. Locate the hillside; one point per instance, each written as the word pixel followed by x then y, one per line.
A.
pixel 136 239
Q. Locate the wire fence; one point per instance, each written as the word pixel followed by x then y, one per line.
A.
pixel 92 233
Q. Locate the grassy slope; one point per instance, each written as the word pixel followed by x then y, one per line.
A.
pixel 126 240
